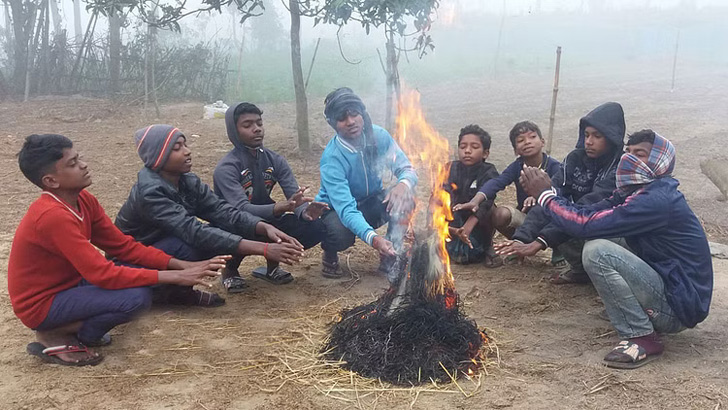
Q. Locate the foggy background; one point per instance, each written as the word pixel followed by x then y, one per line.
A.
pixel 473 40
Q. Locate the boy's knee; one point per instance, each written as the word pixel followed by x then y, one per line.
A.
pixel 592 252
pixel 137 300
pixel 501 217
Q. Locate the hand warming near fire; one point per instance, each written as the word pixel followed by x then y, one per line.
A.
pixel 614 218
pixel 610 213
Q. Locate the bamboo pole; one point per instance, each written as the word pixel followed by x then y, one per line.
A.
pixel 674 60
pixel 310 67
pixel 552 117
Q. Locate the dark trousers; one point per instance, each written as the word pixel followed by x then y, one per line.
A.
pixel 339 238
pixel 176 248
pixel 99 309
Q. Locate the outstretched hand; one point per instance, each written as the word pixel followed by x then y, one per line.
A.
pixel 278 236
pixel 466 206
pixel 534 181
pixel 293 202
pixel 314 210
pixel 384 246
pixel 461 234
pixel 516 248
pixel 188 273
pixel 399 199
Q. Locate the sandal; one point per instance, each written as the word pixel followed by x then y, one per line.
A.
pixel 628 355
pixel 331 269
pixel 50 354
pixel 277 276
pixel 234 284
pixel 568 277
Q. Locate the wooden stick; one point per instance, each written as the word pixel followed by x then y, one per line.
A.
pixel 310 67
pixel 674 60
pixel 552 117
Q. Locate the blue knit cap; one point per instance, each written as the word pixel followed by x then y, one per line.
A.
pixel 154 144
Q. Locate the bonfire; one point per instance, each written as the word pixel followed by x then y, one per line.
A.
pixel 416 332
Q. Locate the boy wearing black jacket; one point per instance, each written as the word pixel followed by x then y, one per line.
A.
pixel 167 202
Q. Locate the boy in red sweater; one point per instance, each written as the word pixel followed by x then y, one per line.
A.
pixel 60 285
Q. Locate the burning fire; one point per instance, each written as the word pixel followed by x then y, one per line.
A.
pixel 429 151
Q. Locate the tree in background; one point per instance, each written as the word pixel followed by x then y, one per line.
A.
pixel 393 16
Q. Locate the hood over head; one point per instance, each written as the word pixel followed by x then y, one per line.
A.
pixel 231 125
pixel 608 119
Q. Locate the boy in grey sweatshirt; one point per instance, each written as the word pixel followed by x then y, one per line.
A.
pixel 245 178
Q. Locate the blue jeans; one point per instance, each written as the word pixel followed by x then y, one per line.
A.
pixel 99 309
pixel 631 290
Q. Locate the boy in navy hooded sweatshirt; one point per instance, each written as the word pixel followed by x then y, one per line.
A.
pixel 661 281
pixel 587 176
pixel 245 178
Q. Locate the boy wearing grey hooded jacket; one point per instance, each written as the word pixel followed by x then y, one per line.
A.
pixel 245 178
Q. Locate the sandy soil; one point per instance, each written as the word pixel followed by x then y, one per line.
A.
pixel 550 339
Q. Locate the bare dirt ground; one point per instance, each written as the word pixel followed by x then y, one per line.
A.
pixel 550 339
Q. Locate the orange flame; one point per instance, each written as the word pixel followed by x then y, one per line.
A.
pixel 428 151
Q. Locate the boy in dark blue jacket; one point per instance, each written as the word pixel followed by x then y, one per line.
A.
pixel 662 281
pixel 587 176
pixel 528 145
pixel 245 178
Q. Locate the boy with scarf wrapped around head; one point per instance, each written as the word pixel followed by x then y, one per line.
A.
pixel 245 178
pixel 168 201
pixel 351 183
pixel 662 281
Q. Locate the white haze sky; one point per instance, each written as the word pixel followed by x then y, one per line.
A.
pixel 448 11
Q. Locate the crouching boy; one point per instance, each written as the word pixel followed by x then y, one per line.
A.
pixel 166 205
pixel 661 280
pixel 245 178
pixel 60 285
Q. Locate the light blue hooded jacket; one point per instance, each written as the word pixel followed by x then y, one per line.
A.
pixel 347 177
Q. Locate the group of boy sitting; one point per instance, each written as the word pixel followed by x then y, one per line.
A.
pixel 654 274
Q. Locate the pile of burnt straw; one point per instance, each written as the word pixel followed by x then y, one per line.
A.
pixel 408 338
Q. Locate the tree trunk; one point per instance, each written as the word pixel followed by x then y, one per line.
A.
pixel 32 47
pixel 77 21
pixel 23 14
pixel 55 13
pixel 304 144
pixel 114 51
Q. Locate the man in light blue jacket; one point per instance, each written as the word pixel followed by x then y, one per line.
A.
pixel 352 167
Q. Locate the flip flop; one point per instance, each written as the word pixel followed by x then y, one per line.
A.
pixel 234 284
pixel 628 355
pixel 277 276
pixel 49 354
